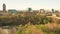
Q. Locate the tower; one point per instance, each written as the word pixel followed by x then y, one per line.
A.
pixel 4 7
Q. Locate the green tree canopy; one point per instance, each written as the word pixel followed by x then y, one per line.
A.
pixel 29 9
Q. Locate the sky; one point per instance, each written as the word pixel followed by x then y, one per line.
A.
pixel 34 4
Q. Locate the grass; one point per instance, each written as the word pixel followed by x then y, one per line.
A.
pixel 39 29
pixel 29 29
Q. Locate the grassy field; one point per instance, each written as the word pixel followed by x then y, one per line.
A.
pixel 31 24
pixel 50 28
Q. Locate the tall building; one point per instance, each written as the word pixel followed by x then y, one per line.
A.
pixel 4 7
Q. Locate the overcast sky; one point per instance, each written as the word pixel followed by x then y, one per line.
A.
pixel 34 4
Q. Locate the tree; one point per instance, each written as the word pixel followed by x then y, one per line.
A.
pixel 53 10
pixel 29 9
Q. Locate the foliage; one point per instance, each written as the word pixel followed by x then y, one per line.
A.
pixel 38 29
pixel 16 20
pixel 29 29
pixel 52 10
pixel 29 9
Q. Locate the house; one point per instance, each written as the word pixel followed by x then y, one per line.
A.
pixel 12 11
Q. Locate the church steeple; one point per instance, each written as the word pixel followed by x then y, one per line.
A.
pixel 4 7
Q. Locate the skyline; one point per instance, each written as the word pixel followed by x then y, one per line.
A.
pixel 34 4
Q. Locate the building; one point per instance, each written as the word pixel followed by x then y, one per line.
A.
pixel 4 7
pixel 3 12
pixel 12 11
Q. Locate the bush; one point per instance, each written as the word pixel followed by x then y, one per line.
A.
pixel 29 29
